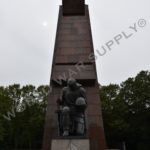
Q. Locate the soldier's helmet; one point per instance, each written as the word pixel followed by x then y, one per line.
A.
pixel 65 109
pixel 80 101
pixel 80 104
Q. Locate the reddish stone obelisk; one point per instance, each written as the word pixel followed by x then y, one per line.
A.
pixel 73 56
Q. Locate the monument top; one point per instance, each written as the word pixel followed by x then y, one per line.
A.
pixel 73 7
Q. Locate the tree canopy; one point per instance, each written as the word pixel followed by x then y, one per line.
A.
pixel 126 112
pixel 22 112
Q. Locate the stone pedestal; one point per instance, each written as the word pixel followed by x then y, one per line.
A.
pixel 70 144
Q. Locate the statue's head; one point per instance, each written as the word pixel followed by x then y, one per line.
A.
pixel 72 84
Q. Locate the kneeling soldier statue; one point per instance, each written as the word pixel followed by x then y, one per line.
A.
pixel 71 110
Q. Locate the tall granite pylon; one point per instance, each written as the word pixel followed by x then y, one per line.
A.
pixel 74 57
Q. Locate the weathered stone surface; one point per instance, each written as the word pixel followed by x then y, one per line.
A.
pixel 73 7
pixel 67 71
pixel 74 144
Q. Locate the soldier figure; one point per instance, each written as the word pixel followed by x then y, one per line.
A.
pixel 72 105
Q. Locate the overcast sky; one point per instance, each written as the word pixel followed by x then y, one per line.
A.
pixel 27 36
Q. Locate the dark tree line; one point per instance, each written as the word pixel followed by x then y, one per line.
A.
pixel 22 112
pixel 126 114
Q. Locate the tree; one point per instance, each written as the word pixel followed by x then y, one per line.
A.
pixel 24 111
pixel 126 112
pixel 135 92
pixel 114 114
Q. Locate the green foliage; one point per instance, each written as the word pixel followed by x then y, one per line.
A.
pixel 22 113
pixel 126 112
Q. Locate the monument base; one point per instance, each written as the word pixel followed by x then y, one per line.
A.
pixel 70 144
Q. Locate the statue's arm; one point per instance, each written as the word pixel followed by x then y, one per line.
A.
pixel 83 93
pixel 61 100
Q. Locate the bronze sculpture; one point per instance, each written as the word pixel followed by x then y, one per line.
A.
pixel 71 111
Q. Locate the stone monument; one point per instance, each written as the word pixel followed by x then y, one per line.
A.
pixel 74 118
pixel 71 110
